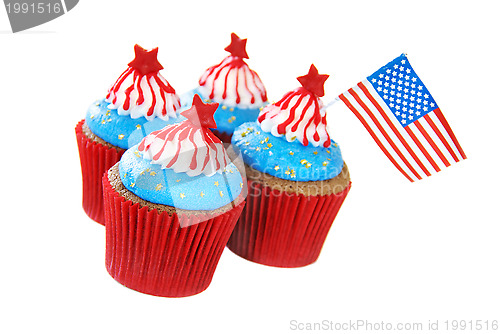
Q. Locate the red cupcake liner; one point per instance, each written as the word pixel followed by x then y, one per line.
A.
pixel 223 136
pixel 281 229
pixel 95 160
pixel 152 253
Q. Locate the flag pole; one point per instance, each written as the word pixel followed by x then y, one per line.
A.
pixel 331 103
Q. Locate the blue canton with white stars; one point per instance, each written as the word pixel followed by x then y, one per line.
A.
pixel 403 91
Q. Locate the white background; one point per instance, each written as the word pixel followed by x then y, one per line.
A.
pixel 397 252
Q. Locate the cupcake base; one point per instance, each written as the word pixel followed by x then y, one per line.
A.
pixel 283 228
pixel 96 158
pixel 167 253
pixel 223 136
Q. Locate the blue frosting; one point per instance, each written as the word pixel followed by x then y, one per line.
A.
pixel 286 160
pixel 226 117
pixel 122 131
pixel 164 186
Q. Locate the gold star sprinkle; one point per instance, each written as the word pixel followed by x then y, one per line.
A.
pixel 269 145
pixel 182 195
pixel 276 168
pixel 202 194
pixel 103 121
pixel 158 187
pixel 267 139
pixel 261 108
pixel 262 142
pixel 132 184
pixel 220 193
pixel 152 173
pixel 138 126
pixel 121 136
pixel 244 134
pixel 303 161
pixel 315 152
pixel 291 153
pixel 178 180
pixel 216 183
pixel 308 165
pixel 137 154
pixel 325 163
pixel 292 175
pixel 287 172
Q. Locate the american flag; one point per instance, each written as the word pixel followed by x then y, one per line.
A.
pixel 404 120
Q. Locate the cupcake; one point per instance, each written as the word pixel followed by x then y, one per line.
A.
pixel 140 101
pixel 297 179
pixel 238 90
pixel 171 204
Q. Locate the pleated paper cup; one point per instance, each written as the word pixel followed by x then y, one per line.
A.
pixel 282 229
pixel 95 159
pixel 161 253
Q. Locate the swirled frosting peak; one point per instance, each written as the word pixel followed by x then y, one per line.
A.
pixel 142 91
pixel 232 82
pixel 299 115
pixel 189 146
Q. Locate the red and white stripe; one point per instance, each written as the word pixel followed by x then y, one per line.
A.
pixel 149 95
pixel 233 83
pixel 299 115
pixel 186 148
pixel 420 149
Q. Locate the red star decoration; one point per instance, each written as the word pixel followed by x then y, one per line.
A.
pixel 201 114
pixel 237 46
pixel 145 61
pixel 313 81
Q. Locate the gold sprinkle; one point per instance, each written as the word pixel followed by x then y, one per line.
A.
pixel 269 145
pixel 92 116
pixel 267 139
pixel 158 187
pixel 315 152
pixel 244 134
pixel 261 108
pixel 216 183
pixel 138 126
pixel 303 161
pixel 231 119
pixel 109 120
pixel 224 107
pixel 293 138
pixel 276 168
pixel 262 142
pixel 208 100
pixel 308 165
pixel 132 184
pixel 328 159
pixel 97 104
pixel 265 148
pixel 327 151
pixel 291 153
pixel 141 173
pixel 121 137
pixel 231 109
pixel 103 121
pixel 247 143
pixel 249 129
pixel 202 194
pixel 287 172
pixel 335 145
pixel 325 163
pixel 220 193
pixel 137 154
pixel 257 132
pixel 152 173
pixel 178 180
pixel 148 170
pixel 241 184
pixel 257 149
pixel 182 195
pixel 292 175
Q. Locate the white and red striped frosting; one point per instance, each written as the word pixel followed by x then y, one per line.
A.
pixel 142 91
pixel 299 115
pixel 189 146
pixel 232 82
